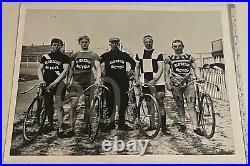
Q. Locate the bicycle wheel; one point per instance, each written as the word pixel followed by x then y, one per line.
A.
pixel 34 119
pixel 149 117
pixel 207 116
pixel 94 119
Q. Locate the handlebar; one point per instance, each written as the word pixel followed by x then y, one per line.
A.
pixel 31 88
pixel 140 84
pixel 200 82
pixel 93 85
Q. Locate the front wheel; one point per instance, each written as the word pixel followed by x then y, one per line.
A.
pixel 34 119
pixel 149 117
pixel 207 116
pixel 94 119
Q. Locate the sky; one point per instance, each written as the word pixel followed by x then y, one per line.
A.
pixel 196 29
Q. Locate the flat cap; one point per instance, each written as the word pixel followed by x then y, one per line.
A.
pixel 114 39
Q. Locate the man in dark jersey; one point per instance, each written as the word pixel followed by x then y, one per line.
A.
pixel 116 79
pixel 52 69
pixel 179 70
pixel 85 66
pixel 149 67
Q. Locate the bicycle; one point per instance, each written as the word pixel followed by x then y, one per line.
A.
pixel 205 108
pixel 35 115
pixel 145 111
pixel 96 107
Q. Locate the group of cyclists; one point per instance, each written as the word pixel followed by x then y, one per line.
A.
pixel 61 73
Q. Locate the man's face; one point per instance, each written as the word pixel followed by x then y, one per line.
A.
pixel 114 45
pixel 148 43
pixel 178 47
pixel 84 44
pixel 56 47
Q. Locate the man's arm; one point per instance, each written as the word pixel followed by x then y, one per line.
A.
pixel 167 77
pixel 40 72
pixel 70 77
pixel 132 62
pixel 137 68
pixel 137 72
pixel 98 71
pixel 61 76
pixel 102 64
pixel 160 63
pixel 196 70
pixel 158 74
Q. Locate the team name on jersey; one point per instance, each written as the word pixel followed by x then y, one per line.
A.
pixel 81 60
pixel 117 67
pixel 117 61
pixel 83 64
pixel 177 64
pixel 52 61
pixel 51 67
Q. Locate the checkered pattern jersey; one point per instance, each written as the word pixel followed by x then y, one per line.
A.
pixel 149 62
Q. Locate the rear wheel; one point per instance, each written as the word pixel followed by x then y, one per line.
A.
pixel 34 119
pixel 207 116
pixel 149 117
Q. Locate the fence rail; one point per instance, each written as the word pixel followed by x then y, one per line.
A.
pixel 217 77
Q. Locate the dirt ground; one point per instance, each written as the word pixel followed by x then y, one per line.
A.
pixel 48 144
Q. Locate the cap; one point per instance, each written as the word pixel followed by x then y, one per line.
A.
pixel 114 39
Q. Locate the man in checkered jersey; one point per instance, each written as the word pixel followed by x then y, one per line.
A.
pixel 149 67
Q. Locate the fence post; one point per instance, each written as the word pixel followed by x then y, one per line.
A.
pixel 27 62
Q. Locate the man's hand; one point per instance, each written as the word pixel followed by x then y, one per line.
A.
pixel 42 83
pixel 130 73
pixel 152 82
pixel 169 86
pixel 97 83
pixel 68 86
pixel 52 85
pixel 201 80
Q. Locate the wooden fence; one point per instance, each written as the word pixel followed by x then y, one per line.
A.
pixel 217 77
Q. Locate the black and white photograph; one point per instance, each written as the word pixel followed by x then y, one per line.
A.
pixel 132 82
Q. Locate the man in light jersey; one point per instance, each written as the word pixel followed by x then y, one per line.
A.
pixel 149 67
pixel 52 69
pixel 179 69
pixel 83 65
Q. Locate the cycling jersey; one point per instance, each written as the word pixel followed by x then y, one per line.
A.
pixel 116 66
pixel 53 65
pixel 83 74
pixel 149 61
pixel 83 66
pixel 180 68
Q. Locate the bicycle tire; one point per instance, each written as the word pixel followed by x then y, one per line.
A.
pixel 207 116
pixel 34 118
pixel 94 121
pixel 144 113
